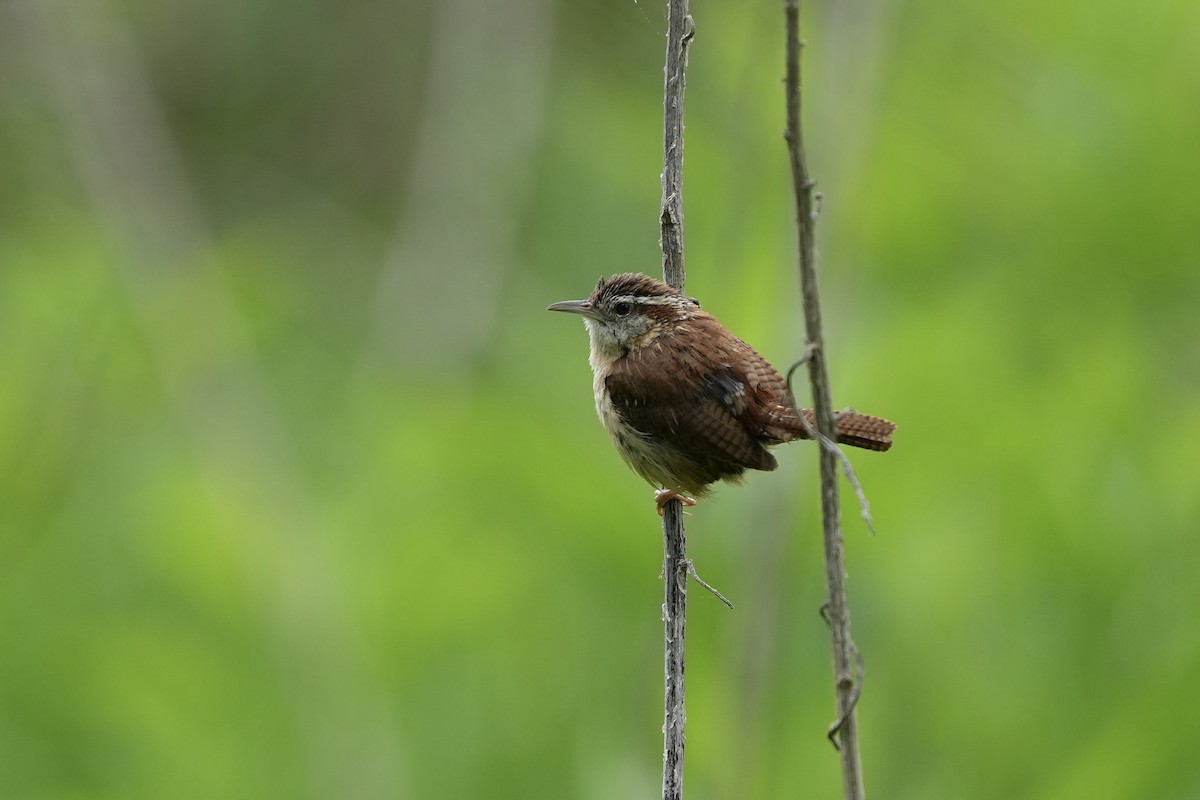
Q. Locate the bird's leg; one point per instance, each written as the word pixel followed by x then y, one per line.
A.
pixel 664 496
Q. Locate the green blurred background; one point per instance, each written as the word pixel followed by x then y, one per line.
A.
pixel 302 494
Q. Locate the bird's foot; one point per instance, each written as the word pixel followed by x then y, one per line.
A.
pixel 664 496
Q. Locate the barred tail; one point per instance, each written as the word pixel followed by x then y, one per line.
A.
pixel 858 430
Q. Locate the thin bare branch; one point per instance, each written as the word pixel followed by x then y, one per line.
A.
pixel 835 571
pixel 691 568
pixel 680 30
pixel 864 505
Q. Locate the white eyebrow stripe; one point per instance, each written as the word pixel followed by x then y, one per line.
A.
pixel 657 300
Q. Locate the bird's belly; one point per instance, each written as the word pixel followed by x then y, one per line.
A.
pixel 656 461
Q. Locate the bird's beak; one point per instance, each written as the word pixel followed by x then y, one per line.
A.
pixel 583 307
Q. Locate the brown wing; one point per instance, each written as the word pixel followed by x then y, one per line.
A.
pixel 701 392
pixel 772 416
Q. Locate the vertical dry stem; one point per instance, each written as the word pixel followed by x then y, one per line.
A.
pixel 835 570
pixel 679 33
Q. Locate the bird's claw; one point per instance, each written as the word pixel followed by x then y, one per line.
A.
pixel 664 496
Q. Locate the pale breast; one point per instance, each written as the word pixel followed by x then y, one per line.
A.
pixel 657 464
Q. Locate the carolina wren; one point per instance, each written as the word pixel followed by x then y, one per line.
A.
pixel 685 402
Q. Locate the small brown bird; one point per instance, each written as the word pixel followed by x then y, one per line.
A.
pixel 685 402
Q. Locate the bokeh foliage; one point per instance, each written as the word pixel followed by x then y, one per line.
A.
pixel 302 492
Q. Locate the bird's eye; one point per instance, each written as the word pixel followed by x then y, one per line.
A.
pixel 622 309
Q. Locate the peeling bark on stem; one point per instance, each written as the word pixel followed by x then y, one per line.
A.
pixel 680 29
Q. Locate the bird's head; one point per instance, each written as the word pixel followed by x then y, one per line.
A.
pixel 628 311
